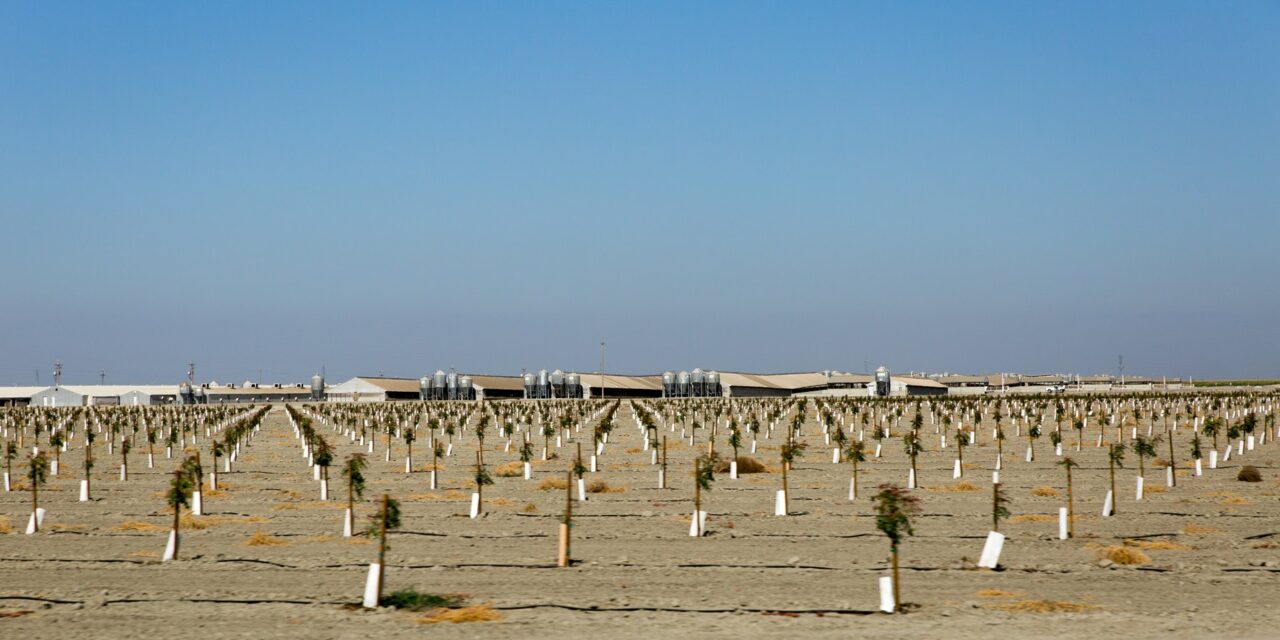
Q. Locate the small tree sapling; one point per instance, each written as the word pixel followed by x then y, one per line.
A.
pixel 387 519
pixel 1067 463
pixel 482 478
pixel 999 506
pixel 894 508
pixel 1115 458
pixel 855 450
pixel 37 474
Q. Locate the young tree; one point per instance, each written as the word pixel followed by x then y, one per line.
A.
pixel 703 476
pixel 894 508
pixel 999 506
pixel 353 471
pixel 1067 463
pixel 37 474
pixel 1033 434
pixel 125 446
pixel 1115 458
pixel 386 520
pixel 179 496
pixel 1144 448
pixel 789 451
pixel 1212 426
pixel 856 452
pixel 482 478
pixel 410 435
pixel 911 442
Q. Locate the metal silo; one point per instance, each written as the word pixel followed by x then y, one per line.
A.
pixel 882 382
pixel 697 380
pixel 424 388
pixel 682 384
pixel 317 387
pixel 530 385
pixel 668 381
pixel 713 383
pixel 465 391
pixel 573 385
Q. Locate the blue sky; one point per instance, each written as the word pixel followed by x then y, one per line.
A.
pixel 400 187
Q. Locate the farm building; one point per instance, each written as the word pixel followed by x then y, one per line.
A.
pixel 227 394
pixel 100 395
pixel 17 396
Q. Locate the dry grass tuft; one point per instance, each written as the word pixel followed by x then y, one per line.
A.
pixel 1043 606
pixel 1249 473
pixel 1154 488
pixel 144 553
pixel 997 593
pixel 600 486
pixel 1044 492
pixel 1123 555
pixel 260 539
pixel 138 525
pixel 1235 500
pixel 746 464
pixel 552 483
pixel 959 487
pixel 514 469
pixel 499 502
pixel 1033 517
pixel 529 507
pixel 1193 529
pixel 5 526
pixel 1157 545
pixel 477 613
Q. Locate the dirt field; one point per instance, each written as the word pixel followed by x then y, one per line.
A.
pixel 1213 546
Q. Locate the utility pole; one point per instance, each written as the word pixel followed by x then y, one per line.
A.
pixel 57 374
pixel 102 377
pixel 602 369
pixel 1121 368
pixel 191 373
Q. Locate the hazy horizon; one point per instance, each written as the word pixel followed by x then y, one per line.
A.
pixel 401 188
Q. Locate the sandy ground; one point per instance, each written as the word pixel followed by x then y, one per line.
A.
pixel 812 574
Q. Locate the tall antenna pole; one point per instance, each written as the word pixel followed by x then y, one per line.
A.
pixel 191 373
pixel 1121 367
pixel 102 377
pixel 57 374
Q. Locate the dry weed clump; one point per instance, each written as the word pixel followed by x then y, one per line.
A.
pixel 997 593
pixel 1155 488
pixel 1157 545
pixel 959 487
pixel 1032 517
pixel 1123 555
pixel 1193 529
pixel 600 486
pixel 499 502
pixel 476 613
pixel 513 469
pixel 1044 492
pixel 1249 473
pixel 1042 606
pixel 1235 500
pixel 529 507
pixel 138 525
pixel 5 527
pixel 746 464
pixel 260 539
pixel 553 483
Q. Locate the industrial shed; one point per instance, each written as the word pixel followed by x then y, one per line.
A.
pixel 607 386
pixel 104 395
pixel 497 387
pixel 229 394
pixel 375 389
pixel 18 396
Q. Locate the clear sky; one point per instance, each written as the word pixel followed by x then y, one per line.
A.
pixel 401 187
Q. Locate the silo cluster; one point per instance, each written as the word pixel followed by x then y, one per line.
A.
pixel 557 384
pixel 446 386
pixel 691 384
